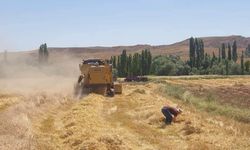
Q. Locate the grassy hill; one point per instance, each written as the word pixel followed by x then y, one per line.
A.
pixel 179 48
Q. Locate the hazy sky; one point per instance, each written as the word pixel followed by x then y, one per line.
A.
pixel 25 24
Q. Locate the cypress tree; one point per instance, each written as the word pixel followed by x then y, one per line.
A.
pixel 235 56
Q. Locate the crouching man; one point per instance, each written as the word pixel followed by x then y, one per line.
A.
pixel 170 113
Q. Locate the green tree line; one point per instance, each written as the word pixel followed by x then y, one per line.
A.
pixel 228 52
pixel 132 64
pixel 223 62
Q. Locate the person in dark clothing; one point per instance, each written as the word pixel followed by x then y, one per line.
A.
pixel 170 113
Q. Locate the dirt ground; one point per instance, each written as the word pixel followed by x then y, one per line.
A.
pixel 53 119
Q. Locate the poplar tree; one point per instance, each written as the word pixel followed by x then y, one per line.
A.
pixel 123 66
pixel 129 65
pixel 229 52
pixel 234 53
pixel 143 65
pixel 242 63
pixel 227 67
pixel 46 52
pixel 191 52
pixel 219 54
pixel 202 49
pixel 223 51
pixel 198 53
pixel 135 64
pixel 119 66
pixel 213 59
pixel 149 61
pixel 43 53
pixel 114 62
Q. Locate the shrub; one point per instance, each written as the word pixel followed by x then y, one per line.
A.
pixel 169 65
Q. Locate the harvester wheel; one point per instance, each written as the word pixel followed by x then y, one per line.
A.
pixel 110 92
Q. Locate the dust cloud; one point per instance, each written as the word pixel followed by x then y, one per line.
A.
pixel 22 73
pixel 28 90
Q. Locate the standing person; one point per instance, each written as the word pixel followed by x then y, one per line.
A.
pixel 170 113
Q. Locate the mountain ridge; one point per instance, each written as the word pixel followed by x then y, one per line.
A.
pixel 180 48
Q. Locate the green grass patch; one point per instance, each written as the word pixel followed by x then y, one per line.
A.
pixel 207 103
pixel 196 77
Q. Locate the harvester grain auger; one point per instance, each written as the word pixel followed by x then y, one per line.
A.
pixel 96 76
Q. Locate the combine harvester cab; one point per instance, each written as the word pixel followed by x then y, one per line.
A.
pixel 96 76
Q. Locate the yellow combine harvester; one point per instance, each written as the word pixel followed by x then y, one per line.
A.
pixel 96 76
